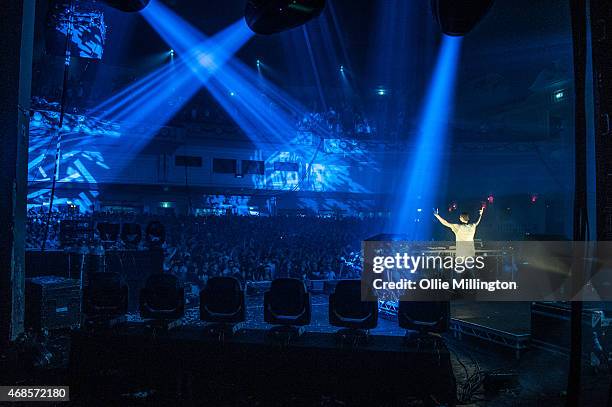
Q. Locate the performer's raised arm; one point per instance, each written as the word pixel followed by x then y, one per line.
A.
pixel 480 217
pixel 442 220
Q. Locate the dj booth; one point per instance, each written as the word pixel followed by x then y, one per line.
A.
pixel 186 363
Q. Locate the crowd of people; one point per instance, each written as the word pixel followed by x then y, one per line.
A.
pixel 250 248
pixel 263 248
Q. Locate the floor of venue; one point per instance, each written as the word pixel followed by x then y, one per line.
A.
pixel 541 374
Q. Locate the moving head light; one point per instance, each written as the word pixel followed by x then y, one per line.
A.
pixel 128 6
pixel 459 17
pixel 273 16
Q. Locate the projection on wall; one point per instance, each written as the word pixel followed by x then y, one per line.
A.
pixel 319 167
pixel 93 154
pixel 81 159
pixel 221 204
pixel 85 25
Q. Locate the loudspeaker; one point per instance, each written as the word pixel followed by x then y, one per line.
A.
pixel 459 17
pixel 273 16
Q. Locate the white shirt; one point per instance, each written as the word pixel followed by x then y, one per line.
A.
pixel 464 236
pixel 464 232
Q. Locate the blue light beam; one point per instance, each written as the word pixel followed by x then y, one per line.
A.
pixel 145 107
pixel 419 185
pixel 244 94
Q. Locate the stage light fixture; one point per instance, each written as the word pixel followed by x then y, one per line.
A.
pixel 162 298
pixel 171 52
pixel 105 298
pixel 222 305
pixel 459 17
pixel 559 95
pixel 348 310
pixel 287 305
pixel 272 16
pixel 128 6
pixel 424 317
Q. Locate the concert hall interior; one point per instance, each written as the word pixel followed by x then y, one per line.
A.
pixel 306 202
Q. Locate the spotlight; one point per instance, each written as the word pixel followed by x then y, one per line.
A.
pixel 559 95
pixel 348 311
pixel 424 317
pixel 459 17
pixel 222 304
pixel 273 16
pixel 287 304
pixel 232 93
pixel 105 298
pixel 171 52
pixel 258 63
pixel 381 92
pixel 162 299
pixel 341 68
pixel 129 6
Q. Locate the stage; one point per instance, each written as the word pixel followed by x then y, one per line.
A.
pixel 186 361
pixel 182 356
pixel 504 326
pixel 192 359
pixel 501 324
pixel 542 375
